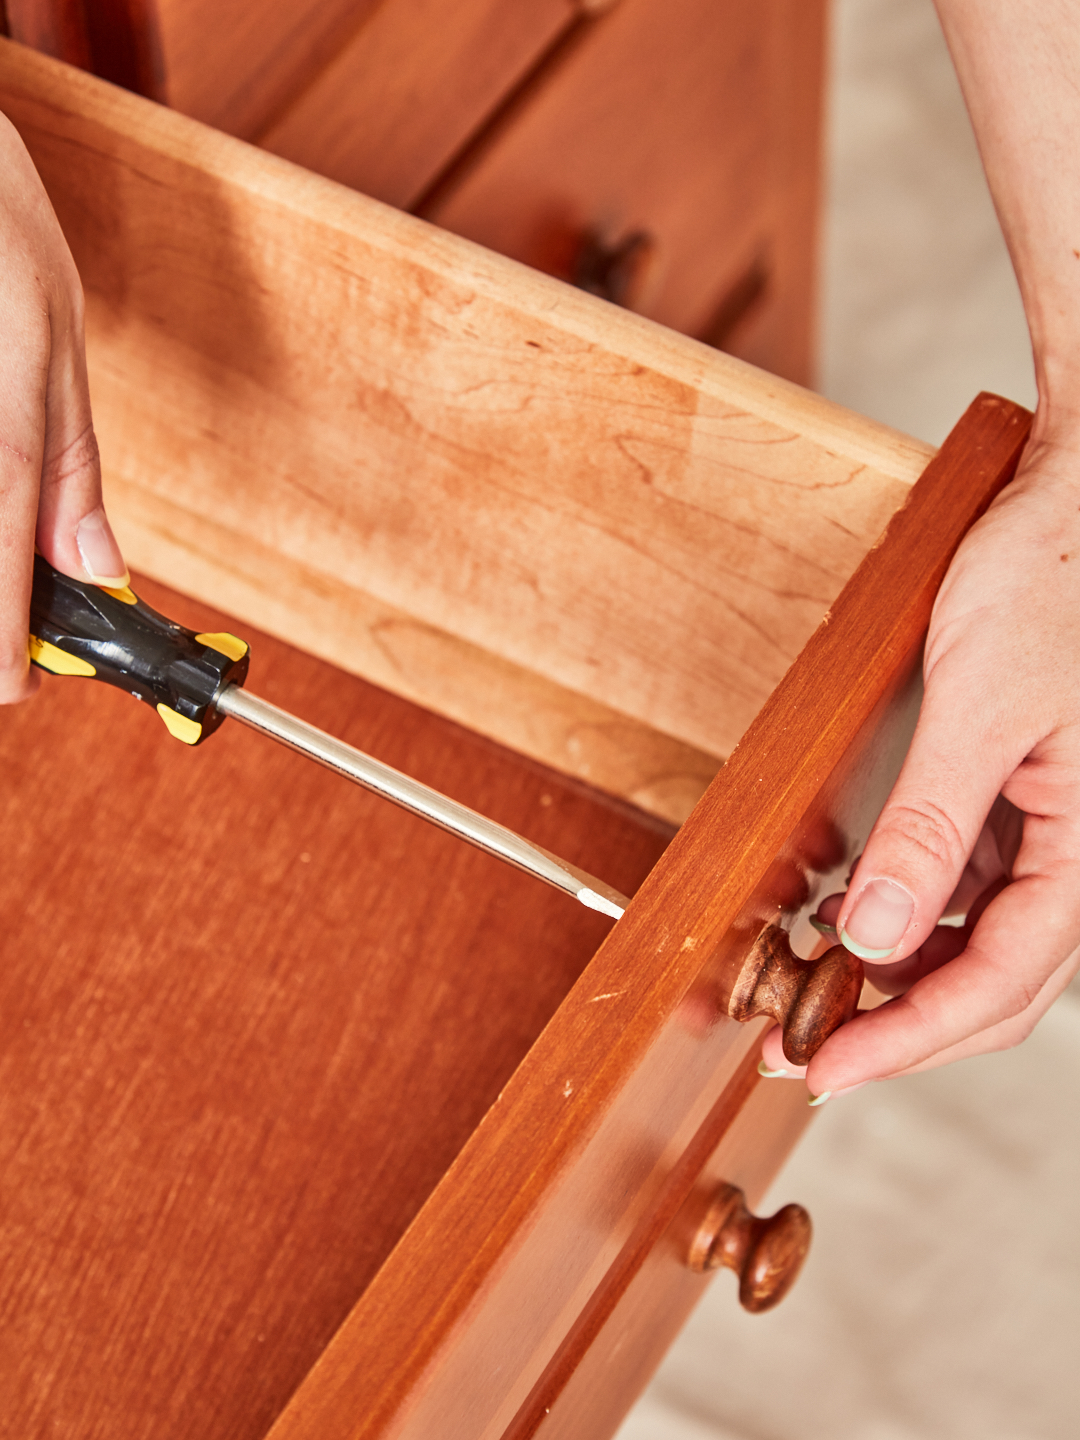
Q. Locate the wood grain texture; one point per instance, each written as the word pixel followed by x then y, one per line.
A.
pixel 809 1001
pixel 55 27
pixel 115 39
pixel 765 1252
pixel 319 411
pixel 608 1359
pixel 248 1016
pixel 236 65
pixel 693 122
pixel 393 106
pixel 601 1114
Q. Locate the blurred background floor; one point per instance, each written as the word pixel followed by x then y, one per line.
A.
pixel 941 1299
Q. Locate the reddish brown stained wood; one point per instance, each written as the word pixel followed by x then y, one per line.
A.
pixel 390 110
pixel 125 45
pixel 579 1151
pixel 656 122
pixel 116 39
pixel 778 332
pixel 765 1252
pixel 809 1001
pixel 248 1016
pixel 607 1360
pixel 55 27
pixel 692 122
pixel 235 65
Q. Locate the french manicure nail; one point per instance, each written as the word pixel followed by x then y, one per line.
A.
pixel 763 1069
pixel 819 1099
pixel 881 916
pixel 99 552
pixel 823 928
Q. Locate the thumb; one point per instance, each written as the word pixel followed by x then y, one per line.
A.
pixel 73 531
pixel 924 837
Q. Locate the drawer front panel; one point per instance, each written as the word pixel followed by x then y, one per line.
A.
pixel 591 1140
pixel 610 1355
pixel 397 102
pixel 690 124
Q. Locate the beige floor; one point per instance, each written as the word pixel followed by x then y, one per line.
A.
pixel 941 1300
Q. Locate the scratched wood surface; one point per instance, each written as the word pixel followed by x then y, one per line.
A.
pixel 439 468
pixel 694 122
pixel 579 1163
pixel 620 1339
pixel 248 1016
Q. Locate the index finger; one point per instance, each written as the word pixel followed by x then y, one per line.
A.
pixel 1026 935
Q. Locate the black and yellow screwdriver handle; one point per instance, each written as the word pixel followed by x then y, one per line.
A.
pixel 81 629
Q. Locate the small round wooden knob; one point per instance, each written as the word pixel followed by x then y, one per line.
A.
pixel 767 1255
pixel 809 998
pixel 614 271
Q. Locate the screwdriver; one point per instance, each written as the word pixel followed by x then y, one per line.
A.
pixel 195 681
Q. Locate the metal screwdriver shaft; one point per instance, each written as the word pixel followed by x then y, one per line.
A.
pixel 419 799
pixel 194 682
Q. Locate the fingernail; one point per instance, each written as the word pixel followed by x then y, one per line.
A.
pixel 99 552
pixel 763 1069
pixel 823 928
pixel 881 916
pixel 819 1099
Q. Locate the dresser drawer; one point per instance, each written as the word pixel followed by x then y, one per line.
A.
pixel 663 153
pixel 671 162
pixel 377 93
pixel 623 1335
pixel 393 108
pixel 321 1128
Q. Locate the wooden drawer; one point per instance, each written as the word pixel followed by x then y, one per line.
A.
pixel 381 1152
pixel 395 106
pixel 622 1336
pixel 237 1057
pixel 693 125
pixel 553 131
pixel 377 91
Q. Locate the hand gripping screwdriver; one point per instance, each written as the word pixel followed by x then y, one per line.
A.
pixel 196 681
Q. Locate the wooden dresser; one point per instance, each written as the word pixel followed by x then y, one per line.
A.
pixel 316 1124
pixel 664 153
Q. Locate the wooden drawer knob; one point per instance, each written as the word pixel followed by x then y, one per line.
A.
pixel 767 1255
pixel 809 998
pixel 615 271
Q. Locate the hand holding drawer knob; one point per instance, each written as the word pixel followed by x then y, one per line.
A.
pixel 809 998
pixel 767 1255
